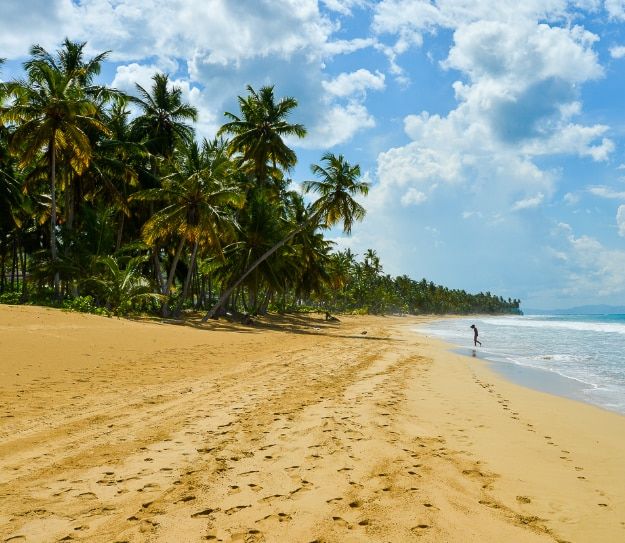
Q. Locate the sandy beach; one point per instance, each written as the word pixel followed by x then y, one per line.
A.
pixel 290 430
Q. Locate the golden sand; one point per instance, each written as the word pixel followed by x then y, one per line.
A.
pixel 291 430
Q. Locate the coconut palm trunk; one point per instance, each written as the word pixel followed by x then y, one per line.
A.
pixel 53 251
pixel 174 265
pixel 187 281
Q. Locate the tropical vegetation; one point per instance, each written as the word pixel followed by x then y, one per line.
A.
pixel 111 203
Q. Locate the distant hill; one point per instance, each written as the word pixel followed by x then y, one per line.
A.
pixel 580 310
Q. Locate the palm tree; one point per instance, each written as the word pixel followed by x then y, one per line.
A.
pixel 163 117
pixel 198 198
pixel 258 133
pixel 117 164
pixel 338 185
pixel 51 111
pixel 262 224
pixel 161 126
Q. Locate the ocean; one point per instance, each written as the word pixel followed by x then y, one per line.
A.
pixel 577 356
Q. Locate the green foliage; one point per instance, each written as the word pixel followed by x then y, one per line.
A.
pixel 123 287
pixel 11 298
pixel 363 288
pixel 85 304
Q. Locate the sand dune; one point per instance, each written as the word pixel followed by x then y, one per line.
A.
pixel 290 430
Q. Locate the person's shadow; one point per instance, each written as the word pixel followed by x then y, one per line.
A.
pixel 474 353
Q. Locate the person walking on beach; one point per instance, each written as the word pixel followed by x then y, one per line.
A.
pixel 475 334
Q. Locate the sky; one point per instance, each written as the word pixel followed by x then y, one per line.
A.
pixel 492 132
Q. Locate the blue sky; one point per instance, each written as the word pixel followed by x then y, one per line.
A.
pixel 492 131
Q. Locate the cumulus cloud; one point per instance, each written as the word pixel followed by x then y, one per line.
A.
pixel 347 84
pixel 127 76
pixel 222 31
pixel 517 99
pixel 338 124
pixel 214 48
pixel 524 52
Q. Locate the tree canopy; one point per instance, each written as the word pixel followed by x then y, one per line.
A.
pixel 112 204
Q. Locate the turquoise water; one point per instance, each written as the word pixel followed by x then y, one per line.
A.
pixel 582 356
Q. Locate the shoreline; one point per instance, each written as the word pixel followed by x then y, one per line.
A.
pixel 533 378
pixel 537 379
pixel 363 430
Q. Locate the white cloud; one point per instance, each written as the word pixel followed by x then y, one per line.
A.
pixel 214 48
pixel 607 192
pixel 338 124
pixel 589 266
pixel 413 197
pixel 571 198
pixel 412 164
pixel 337 47
pixel 618 51
pixel 529 203
pixel 517 100
pixel 347 84
pixel 127 76
pixel 471 214
pixel 620 220
pixel 27 22
pixel 573 139
pixel 615 8
pixel 524 52
pixel 344 7
pixel 219 30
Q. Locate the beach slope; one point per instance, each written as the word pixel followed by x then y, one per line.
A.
pixel 292 429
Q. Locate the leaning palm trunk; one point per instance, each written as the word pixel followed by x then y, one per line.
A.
pixel 226 293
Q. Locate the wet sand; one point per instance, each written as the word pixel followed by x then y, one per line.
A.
pixel 291 430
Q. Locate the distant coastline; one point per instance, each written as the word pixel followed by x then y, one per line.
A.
pixel 579 310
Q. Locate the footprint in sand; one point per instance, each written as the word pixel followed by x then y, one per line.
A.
pixel 204 513
pixel 250 536
pixel 272 497
pixel 87 495
pixel 341 522
pixel 274 519
pixel 305 485
pixel 236 509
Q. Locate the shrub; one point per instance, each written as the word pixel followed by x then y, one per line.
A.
pixel 11 298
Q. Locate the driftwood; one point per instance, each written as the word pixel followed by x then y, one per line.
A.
pixel 331 318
